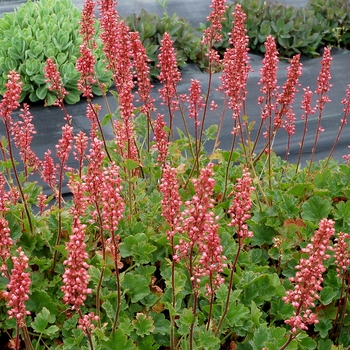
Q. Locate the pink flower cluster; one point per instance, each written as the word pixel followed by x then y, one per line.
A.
pixel 169 74
pixel 64 144
pixel 11 97
pixel 242 204
pixel 161 139
pixel 268 79
pixel 18 287
pixel 86 322
pixel 323 79
pixel 196 101
pixel 5 244
pixel 112 202
pixel 236 66
pixel 308 279
pixel 75 277
pixel 199 228
pixel 286 98
pixel 53 77
pixel 22 132
pixel 341 253
pixel 213 32
pixel 142 73
pixel 171 202
pixel 86 62
pixel 49 170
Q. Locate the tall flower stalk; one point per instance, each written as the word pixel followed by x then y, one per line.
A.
pixel 169 76
pixel 8 104
pixel 240 212
pixel 199 246
pixel 323 86
pixel 234 81
pixel 17 295
pixel 171 204
pixel 308 280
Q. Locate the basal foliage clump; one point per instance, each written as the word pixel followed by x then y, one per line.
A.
pixel 163 243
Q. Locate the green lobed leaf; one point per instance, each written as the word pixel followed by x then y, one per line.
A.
pixel 42 319
pixel 144 325
pixel 118 338
pixel 323 327
pixel 316 208
pixel 327 295
pixel 136 286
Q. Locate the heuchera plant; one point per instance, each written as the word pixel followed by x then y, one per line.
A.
pixel 165 245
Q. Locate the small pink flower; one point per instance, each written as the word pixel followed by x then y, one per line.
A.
pixel 86 323
pixel 289 123
pixel 18 288
pixel 4 196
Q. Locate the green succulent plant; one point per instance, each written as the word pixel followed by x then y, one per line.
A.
pixel 296 30
pixel 152 27
pixel 336 14
pixel 34 32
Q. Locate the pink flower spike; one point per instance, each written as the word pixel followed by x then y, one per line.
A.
pixel 169 74
pixel 64 144
pixel 142 73
pixel 22 132
pixel 323 79
pixel 53 77
pixel 75 277
pixel 87 29
pixel 196 101
pixel 18 288
pixel 11 97
pixel 236 66
pixel 161 139
pixel 199 228
pixel 171 202
pixel 85 65
pixel 268 79
pixel 242 204
pixel 49 170
pixel 308 279
pixel 112 202
pixel 5 244
pixel 341 253
pixel 213 32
